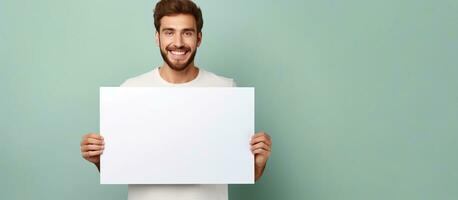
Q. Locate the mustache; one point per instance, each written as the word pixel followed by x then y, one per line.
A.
pixel 175 48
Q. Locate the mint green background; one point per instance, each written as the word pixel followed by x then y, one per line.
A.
pixel 360 97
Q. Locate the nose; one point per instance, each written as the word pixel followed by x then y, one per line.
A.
pixel 178 40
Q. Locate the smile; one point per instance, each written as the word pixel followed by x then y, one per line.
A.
pixel 177 52
pixel 178 55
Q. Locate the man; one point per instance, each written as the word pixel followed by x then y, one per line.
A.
pixel 178 26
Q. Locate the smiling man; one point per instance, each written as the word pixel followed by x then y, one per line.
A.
pixel 178 26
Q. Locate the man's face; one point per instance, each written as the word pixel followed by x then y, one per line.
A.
pixel 178 40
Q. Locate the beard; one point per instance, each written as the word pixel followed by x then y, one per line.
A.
pixel 177 67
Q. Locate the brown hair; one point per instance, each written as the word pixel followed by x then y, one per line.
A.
pixel 175 7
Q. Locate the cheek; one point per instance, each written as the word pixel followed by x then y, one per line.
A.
pixel 164 42
pixel 191 43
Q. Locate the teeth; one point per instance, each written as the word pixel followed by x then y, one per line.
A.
pixel 178 52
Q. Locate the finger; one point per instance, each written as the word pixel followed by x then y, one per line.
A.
pixel 88 154
pixel 96 136
pixel 261 134
pixel 93 135
pixel 260 145
pixel 85 148
pixel 261 151
pixel 90 135
pixel 93 141
pixel 261 139
pixel 96 141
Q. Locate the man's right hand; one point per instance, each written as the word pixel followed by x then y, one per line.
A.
pixel 92 146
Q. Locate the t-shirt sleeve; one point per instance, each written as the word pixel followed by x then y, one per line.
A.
pixel 125 83
pixel 234 84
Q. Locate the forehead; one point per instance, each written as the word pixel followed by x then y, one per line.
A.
pixel 178 22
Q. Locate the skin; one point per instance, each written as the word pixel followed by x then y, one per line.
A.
pixel 178 41
pixel 178 32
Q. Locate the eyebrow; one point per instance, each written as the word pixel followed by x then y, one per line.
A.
pixel 167 29
pixel 189 29
pixel 184 30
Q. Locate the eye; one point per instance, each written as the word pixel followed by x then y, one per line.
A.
pixel 188 33
pixel 168 33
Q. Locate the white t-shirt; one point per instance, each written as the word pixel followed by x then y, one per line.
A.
pixel 183 191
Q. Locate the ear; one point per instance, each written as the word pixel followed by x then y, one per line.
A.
pixel 157 39
pixel 199 39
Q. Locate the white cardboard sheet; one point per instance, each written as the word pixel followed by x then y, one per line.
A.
pixel 177 135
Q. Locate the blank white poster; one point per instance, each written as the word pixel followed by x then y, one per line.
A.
pixel 177 135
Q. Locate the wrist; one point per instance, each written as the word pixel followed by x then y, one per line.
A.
pixel 258 171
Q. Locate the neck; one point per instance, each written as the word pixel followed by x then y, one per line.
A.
pixel 174 76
